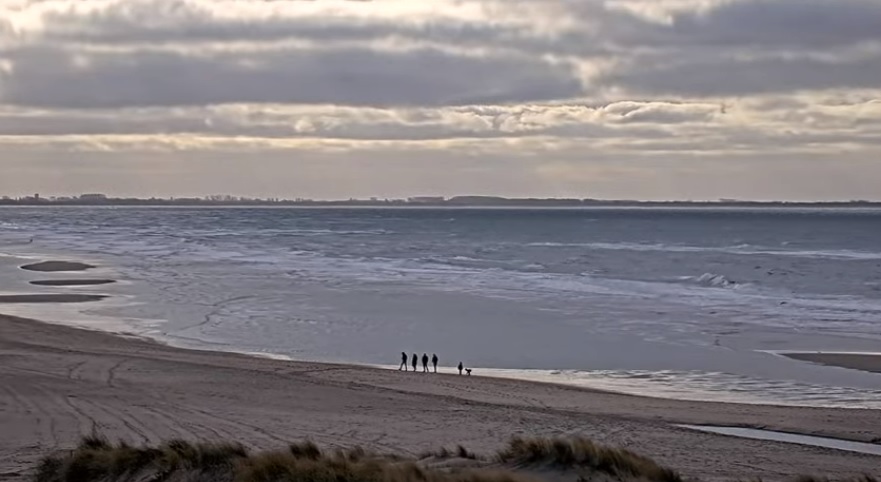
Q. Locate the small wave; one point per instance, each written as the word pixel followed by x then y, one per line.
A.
pixel 703 386
pixel 738 249
pixel 714 280
pixel 535 267
pixel 464 258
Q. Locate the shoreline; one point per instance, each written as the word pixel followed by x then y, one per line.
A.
pixel 862 361
pixel 59 382
pixel 572 378
pixel 687 386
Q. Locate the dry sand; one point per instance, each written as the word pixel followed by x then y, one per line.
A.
pixel 72 282
pixel 57 266
pixel 856 361
pixel 58 383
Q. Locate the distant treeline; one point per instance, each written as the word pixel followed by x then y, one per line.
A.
pixel 459 201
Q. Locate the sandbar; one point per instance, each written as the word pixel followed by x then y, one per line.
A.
pixel 57 266
pixel 72 282
pixel 58 382
pixel 50 298
pixel 867 362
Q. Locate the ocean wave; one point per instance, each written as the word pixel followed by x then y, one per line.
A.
pixel 7 226
pixel 738 249
pixel 220 233
pixel 704 386
pixel 714 280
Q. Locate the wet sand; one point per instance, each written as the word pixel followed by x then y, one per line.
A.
pixel 72 282
pixel 50 298
pixel 58 383
pixel 856 361
pixel 57 266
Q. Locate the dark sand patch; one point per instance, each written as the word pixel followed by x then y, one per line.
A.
pixel 50 298
pixel 856 361
pixel 57 266
pixel 72 282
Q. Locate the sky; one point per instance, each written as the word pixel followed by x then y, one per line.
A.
pixel 328 99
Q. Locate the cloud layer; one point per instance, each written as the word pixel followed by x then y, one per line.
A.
pixel 577 84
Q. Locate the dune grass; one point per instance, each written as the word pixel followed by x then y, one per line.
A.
pixel 95 459
pixel 445 453
pixel 814 478
pixel 584 454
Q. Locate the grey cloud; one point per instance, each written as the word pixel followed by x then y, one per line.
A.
pixel 800 24
pixel 722 51
pixel 189 23
pixel 727 76
pixel 429 77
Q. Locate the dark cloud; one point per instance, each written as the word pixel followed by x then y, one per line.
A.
pixel 727 76
pixel 66 78
pixel 797 24
pixel 175 52
pixel 194 22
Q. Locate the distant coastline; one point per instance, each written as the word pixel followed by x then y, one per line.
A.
pixel 456 201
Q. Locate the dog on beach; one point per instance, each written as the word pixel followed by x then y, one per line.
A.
pixel 468 371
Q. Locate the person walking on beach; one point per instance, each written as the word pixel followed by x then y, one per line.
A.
pixel 415 362
pixel 434 361
pixel 403 362
pixel 460 368
pixel 425 363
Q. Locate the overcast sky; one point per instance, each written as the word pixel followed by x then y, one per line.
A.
pixel 637 99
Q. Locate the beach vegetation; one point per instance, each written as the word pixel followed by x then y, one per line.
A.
pixel 96 459
pixel 585 455
pixel 444 453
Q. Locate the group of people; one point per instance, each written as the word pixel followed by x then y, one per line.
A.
pixel 434 360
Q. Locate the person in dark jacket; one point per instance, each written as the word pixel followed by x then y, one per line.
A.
pixel 434 361
pixel 415 362
pixel 425 362
pixel 403 362
pixel 461 367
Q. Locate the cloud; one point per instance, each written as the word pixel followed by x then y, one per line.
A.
pixel 115 53
pixel 352 76
pixel 794 24
pixel 722 76
pixel 571 82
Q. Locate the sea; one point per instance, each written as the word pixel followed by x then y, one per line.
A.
pixel 687 303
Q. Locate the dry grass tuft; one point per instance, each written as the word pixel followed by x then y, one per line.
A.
pixel 583 454
pixel 97 460
pixel 445 453
pixel 814 478
pixel 305 450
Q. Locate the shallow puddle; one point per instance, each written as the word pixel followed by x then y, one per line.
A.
pixel 751 433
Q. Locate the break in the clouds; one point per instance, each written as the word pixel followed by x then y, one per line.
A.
pixel 613 98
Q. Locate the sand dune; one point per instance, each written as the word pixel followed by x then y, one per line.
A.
pixel 58 383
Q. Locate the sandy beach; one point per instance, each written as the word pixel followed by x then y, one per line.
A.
pixel 58 383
